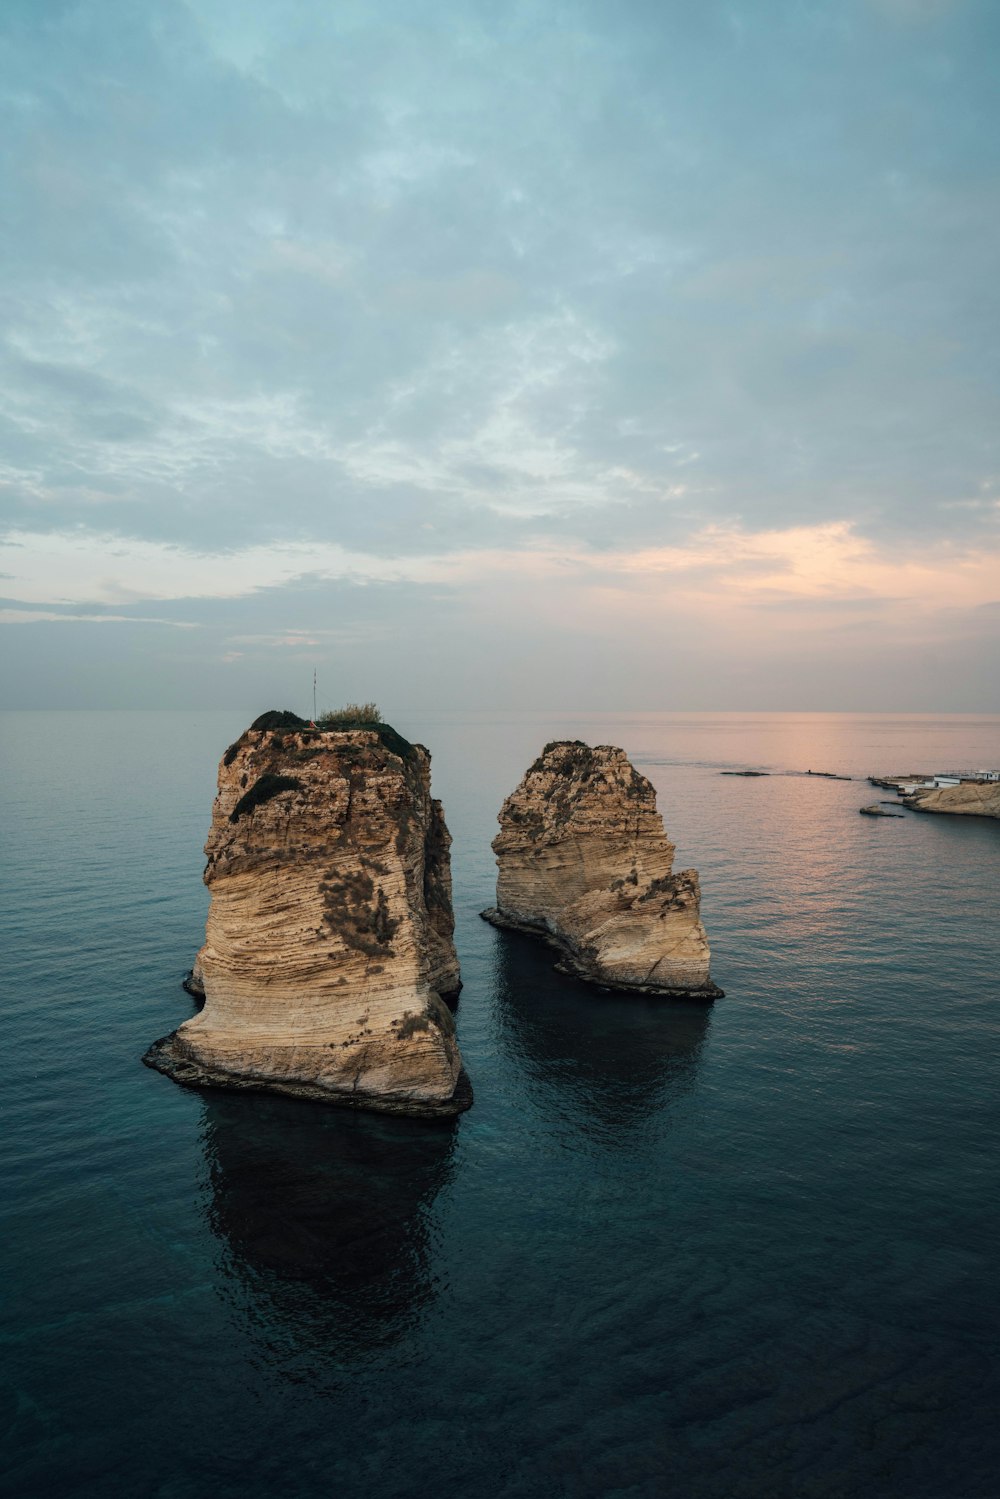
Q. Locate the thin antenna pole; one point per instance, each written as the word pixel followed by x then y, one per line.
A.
pixel 314 694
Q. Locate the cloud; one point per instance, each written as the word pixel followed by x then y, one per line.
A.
pixel 43 616
pixel 917 12
pixel 431 300
pixel 88 567
pixel 719 570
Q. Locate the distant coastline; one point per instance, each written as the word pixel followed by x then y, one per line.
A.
pixel 968 794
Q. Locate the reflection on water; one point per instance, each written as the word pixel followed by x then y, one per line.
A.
pixel 614 1059
pixel 325 1215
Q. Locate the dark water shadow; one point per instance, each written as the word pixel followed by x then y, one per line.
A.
pixel 610 1061
pixel 325 1218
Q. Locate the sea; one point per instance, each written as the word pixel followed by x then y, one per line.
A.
pixel 739 1250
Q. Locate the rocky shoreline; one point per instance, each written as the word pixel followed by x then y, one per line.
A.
pixel 970 797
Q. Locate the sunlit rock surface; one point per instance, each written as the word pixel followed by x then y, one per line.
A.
pixel 328 951
pixel 584 862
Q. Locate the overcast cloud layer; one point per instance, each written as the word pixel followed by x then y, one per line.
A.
pixel 594 355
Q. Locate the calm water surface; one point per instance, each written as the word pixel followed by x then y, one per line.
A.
pixel 739 1251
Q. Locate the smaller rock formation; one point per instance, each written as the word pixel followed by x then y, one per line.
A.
pixel 328 951
pixel 877 811
pixel 584 863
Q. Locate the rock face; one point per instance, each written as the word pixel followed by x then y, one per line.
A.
pixel 971 799
pixel 328 949
pixel 584 862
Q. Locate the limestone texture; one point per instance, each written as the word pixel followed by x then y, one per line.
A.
pixel 969 799
pixel 328 958
pixel 583 862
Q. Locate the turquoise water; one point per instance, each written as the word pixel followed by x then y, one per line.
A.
pixel 739 1251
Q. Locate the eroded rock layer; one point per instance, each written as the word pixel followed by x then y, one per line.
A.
pixel 583 861
pixel 328 951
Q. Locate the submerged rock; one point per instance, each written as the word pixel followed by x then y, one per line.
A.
pixel 328 951
pixel 584 863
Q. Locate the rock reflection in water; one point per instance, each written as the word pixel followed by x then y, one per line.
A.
pixel 325 1217
pixel 616 1059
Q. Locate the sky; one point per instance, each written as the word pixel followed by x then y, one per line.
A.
pixel 478 353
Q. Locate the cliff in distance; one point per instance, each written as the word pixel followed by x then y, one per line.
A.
pixel 328 949
pixel 583 862
pixel 971 799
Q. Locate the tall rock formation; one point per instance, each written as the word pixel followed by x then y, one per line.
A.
pixel 584 862
pixel 328 949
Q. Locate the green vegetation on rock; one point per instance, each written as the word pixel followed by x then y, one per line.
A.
pixel 365 716
pixel 349 716
pixel 333 720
